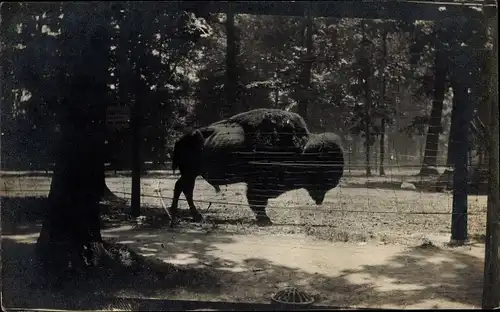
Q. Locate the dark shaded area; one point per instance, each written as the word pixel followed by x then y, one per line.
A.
pixel 22 215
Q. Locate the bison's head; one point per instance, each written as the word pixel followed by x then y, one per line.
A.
pixel 324 159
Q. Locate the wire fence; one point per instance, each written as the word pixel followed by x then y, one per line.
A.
pixel 352 193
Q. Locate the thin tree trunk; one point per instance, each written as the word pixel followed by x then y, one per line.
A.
pixel 451 138
pixel 432 140
pixel 397 133
pixel 230 87
pixel 482 111
pixel 368 110
pixel 305 79
pixel 382 148
pixel 353 152
pixel 382 104
pixel 491 286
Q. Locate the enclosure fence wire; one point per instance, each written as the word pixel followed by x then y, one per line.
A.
pixel 309 208
pixel 36 190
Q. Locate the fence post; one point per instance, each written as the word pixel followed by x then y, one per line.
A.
pixel 461 81
pixel 491 286
pixel 136 121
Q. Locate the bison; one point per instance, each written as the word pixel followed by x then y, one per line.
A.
pixel 270 150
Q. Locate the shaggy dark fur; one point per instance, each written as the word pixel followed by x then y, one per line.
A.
pixel 273 156
pixel 271 129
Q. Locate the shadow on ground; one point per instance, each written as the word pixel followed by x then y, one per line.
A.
pixel 185 270
pixel 203 278
pixel 22 215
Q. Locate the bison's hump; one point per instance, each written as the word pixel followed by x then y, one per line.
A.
pixel 270 129
pixel 225 136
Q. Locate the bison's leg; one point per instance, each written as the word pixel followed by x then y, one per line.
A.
pixel 184 185
pixel 178 189
pixel 258 202
pixel 188 192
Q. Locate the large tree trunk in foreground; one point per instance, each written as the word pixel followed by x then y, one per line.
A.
pixel 432 140
pixel 70 234
pixel 106 194
pixel 71 229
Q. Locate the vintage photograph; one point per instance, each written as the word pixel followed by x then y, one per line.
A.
pixel 249 155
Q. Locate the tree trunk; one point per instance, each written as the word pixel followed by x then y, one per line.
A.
pixel 70 235
pixel 451 138
pixel 382 148
pixel 462 98
pixel 368 109
pixel 382 103
pixel 230 87
pixel 432 140
pixel 353 153
pixel 483 112
pixel 491 286
pixel 305 78
pixel 396 133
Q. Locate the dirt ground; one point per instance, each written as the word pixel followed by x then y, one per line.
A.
pixel 364 247
pixel 360 209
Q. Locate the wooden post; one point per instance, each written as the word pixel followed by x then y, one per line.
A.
pixel 461 81
pixel 491 287
pixel 136 119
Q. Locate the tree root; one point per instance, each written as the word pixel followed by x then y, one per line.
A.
pixel 61 263
pixel 109 196
pixel 67 256
pixel 109 264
